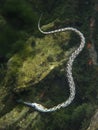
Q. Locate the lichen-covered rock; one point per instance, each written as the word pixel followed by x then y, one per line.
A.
pixel 18 118
pixel 28 67
pixel 38 58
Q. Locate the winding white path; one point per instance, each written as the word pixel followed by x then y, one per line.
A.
pixel 41 108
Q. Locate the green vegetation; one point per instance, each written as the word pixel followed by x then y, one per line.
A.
pixel 32 65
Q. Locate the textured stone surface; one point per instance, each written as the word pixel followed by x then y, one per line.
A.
pixel 30 66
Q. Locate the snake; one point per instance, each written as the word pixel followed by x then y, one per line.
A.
pixel 69 75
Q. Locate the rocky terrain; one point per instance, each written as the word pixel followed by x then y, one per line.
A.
pixel 33 65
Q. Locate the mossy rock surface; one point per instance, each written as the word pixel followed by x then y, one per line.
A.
pixel 35 69
pixel 37 59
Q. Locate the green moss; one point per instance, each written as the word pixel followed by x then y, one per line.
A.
pixel 31 64
pixel 27 121
pixel 35 70
pixel 12 117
